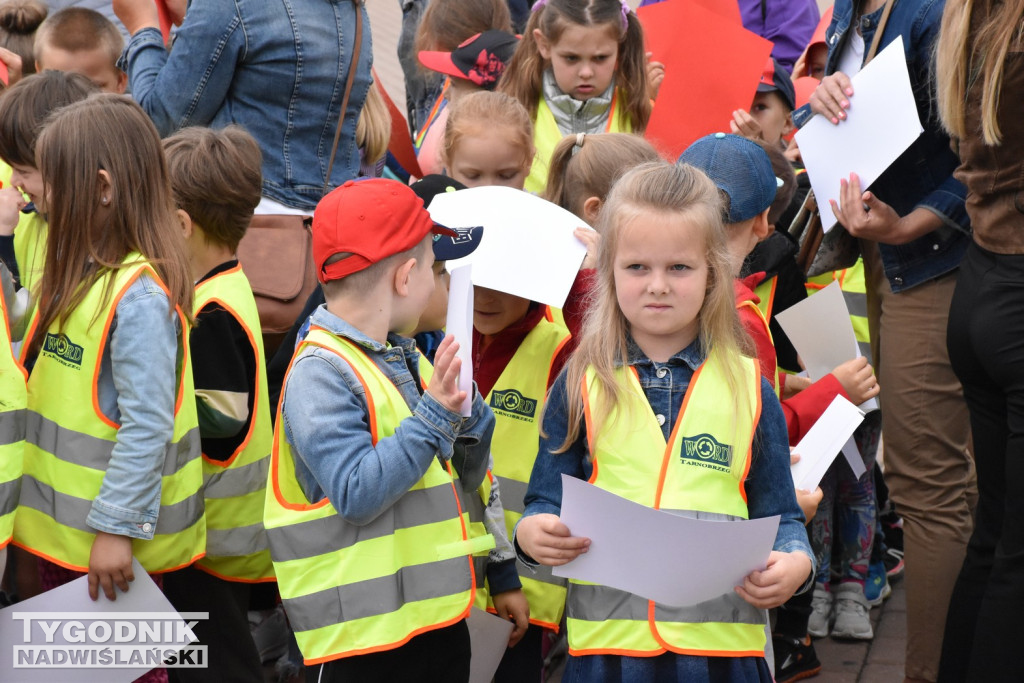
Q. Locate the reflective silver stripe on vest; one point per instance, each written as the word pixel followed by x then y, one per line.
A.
pixel 315 537
pixel 89 451
pixel 856 303
pixel 512 494
pixel 480 569
pixel 9 496
pixel 542 573
pixel 236 542
pixel 601 603
pixel 381 595
pixel 12 426
pixel 235 482
pixel 72 511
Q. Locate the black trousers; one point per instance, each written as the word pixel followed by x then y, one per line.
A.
pixel 986 347
pixel 439 656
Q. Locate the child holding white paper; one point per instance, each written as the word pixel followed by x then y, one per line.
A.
pixel 518 348
pixel 659 405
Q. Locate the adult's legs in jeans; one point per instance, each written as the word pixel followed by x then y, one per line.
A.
pixel 927 461
pixel 986 342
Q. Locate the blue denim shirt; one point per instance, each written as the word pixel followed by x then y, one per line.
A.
pixel 137 388
pixel 276 68
pixel 326 423
pixel 769 482
pixel 923 175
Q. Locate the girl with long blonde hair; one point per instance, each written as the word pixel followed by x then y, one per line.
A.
pixel 980 76
pixel 659 405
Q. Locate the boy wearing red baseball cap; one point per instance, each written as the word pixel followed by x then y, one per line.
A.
pixel 365 509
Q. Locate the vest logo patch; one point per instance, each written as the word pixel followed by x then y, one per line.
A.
pixel 63 350
pixel 513 404
pixel 704 450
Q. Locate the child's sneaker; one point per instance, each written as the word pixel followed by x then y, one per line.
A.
pixel 893 563
pixel 852 613
pixel 877 588
pixel 794 659
pixel 819 624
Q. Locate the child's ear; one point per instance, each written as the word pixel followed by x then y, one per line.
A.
pixel 104 187
pixel 185 220
pixel 122 82
pixel 543 46
pixel 402 276
pixel 789 127
pixel 591 208
pixel 761 227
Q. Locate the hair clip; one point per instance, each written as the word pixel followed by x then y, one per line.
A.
pixel 539 4
pixel 579 143
pixel 625 13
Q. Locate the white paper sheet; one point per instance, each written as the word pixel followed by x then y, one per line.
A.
pixel 144 602
pixel 823 442
pixel 530 250
pixel 460 324
pixel 670 559
pixel 488 638
pixel 881 123
pixel 852 453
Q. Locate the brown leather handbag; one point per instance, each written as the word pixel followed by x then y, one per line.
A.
pixel 277 250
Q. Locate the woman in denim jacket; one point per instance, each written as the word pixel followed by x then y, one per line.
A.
pixel 914 231
pixel 276 68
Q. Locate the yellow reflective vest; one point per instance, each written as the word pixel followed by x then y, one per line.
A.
pixel 349 589
pixel 517 400
pixel 235 489
pixel 702 468
pixel 13 401
pixel 546 135
pixel 30 248
pixel 68 442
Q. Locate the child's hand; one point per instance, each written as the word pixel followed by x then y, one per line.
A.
pixel 808 502
pixel 655 75
pixel 11 203
pixel 545 539
pixel 14 65
pixel 785 573
pixel 110 564
pixel 444 385
pixel 858 380
pixel 794 385
pixel 831 98
pixel 746 125
pixel 592 240
pixel 512 605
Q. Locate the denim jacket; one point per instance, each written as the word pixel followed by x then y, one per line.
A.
pixel 137 389
pixel 276 68
pixel 769 484
pixel 325 419
pixel 923 175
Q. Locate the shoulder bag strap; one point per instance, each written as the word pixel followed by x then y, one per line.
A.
pixel 356 48
pixel 880 30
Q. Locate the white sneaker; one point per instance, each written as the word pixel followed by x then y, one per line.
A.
pixel 852 619
pixel 821 612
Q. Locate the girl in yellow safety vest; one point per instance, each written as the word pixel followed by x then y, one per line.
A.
pixel 659 405
pixel 580 68
pixel 112 469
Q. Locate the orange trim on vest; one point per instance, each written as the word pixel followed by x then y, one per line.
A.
pixel 667 457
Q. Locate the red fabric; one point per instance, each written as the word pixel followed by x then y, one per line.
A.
pixel 803 409
pixel 489 364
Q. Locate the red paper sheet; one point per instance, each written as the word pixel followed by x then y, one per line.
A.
pixel 730 9
pixel 712 68
pixel 400 144
pixel 165 20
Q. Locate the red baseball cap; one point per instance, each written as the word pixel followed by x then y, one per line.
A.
pixel 371 219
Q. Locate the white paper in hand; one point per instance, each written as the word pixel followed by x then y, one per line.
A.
pixel 530 250
pixel 881 123
pixel 645 551
pixel 27 630
pixel 460 325
pixel 823 442
pixel 488 640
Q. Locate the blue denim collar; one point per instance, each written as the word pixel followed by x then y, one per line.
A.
pixel 321 317
pixel 693 355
